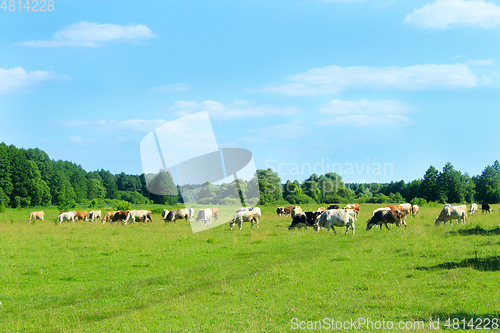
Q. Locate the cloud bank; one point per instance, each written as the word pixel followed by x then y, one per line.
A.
pixel 88 34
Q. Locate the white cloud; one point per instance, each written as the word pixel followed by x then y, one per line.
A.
pixel 293 129
pixel 132 125
pixel 88 34
pixel 139 125
pixel 301 89
pixel 177 87
pixel 237 109
pixel 342 108
pixel 78 139
pixel 332 79
pixel 444 14
pixel 18 79
pixel 365 113
pixel 366 121
pixel 480 62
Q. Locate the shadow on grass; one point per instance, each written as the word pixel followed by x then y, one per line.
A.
pixel 477 231
pixel 481 264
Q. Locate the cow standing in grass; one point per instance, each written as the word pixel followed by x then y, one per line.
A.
pixel 245 216
pixel 451 213
pixel 336 218
pixel 177 214
pixel 383 217
pixel 81 215
pixel 304 220
pixel 486 208
pixel 66 216
pixel 37 216
pixel 473 209
pixel 94 215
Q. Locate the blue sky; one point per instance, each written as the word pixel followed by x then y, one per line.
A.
pixel 375 90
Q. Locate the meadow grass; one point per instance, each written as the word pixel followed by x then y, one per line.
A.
pixel 162 277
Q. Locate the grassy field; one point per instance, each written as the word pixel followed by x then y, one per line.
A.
pixel 165 278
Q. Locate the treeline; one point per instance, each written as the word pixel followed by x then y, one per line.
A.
pixel 447 185
pixel 28 177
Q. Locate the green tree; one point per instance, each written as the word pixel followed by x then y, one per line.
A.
pixel 429 186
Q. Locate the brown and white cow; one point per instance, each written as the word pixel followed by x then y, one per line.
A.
pixel 84 215
pixel 355 206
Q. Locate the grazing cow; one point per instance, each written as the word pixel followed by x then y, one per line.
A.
pixel 321 209
pixel 215 212
pixel 164 214
pixel 449 213
pixel 205 216
pixel 37 215
pixel 108 216
pixel 473 209
pixel 66 216
pixel 139 215
pixel 288 210
pixel 486 208
pixel 333 207
pixel 121 215
pixel 280 211
pixel 414 210
pixel 304 220
pixel 356 207
pixel 380 209
pixel 407 208
pixel 397 207
pixel 177 214
pixel 336 218
pixel 81 215
pixel 296 210
pixel 246 216
pixel 383 217
pixel 94 215
pixel 244 209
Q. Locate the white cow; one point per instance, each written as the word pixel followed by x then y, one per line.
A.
pixel 205 216
pixel 164 214
pixel 94 215
pixel 139 215
pixel 449 213
pixel 337 218
pixel 257 211
pixel 414 210
pixel 473 209
pixel 407 208
pixel 245 216
pixel 66 216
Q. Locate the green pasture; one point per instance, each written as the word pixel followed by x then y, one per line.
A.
pixel 162 277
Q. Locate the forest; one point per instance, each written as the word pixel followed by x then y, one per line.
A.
pixel 28 177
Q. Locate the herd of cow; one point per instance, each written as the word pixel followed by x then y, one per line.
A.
pixel 335 216
pixel 205 216
pixel 329 218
